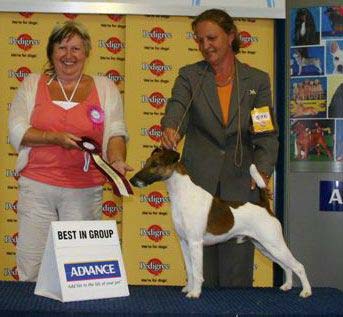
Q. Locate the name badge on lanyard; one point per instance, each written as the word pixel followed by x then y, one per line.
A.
pixel 262 120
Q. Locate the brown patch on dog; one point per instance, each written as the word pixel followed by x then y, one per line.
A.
pixel 181 169
pixel 220 219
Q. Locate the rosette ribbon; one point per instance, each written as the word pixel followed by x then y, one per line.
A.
pixel 121 186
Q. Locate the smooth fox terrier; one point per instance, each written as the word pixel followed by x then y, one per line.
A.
pixel 197 224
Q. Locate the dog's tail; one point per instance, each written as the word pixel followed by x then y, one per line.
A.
pixel 264 191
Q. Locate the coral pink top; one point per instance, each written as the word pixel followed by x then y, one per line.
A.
pixel 53 164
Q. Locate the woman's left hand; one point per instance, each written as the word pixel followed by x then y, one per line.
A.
pixel 121 166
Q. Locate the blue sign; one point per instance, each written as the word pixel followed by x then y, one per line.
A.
pixel 331 196
pixel 91 270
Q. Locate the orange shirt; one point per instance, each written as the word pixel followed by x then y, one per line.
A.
pixel 224 94
pixel 53 164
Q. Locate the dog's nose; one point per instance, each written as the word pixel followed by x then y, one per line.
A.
pixel 340 68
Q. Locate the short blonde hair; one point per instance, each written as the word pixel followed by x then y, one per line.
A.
pixel 61 32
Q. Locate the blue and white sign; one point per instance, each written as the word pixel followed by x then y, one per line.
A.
pixel 82 260
pixel 331 196
pixel 91 270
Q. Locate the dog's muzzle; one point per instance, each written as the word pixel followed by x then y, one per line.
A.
pixel 137 182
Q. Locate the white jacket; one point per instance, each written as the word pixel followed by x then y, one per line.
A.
pixel 24 101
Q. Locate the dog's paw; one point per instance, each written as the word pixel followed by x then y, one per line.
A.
pixel 286 287
pixel 305 293
pixel 186 289
pixel 193 294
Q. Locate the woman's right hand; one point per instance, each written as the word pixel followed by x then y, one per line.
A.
pixel 63 139
pixel 170 139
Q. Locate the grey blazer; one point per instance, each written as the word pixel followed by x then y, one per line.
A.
pixel 212 153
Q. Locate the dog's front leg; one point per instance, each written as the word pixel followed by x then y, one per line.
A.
pixel 188 264
pixel 196 253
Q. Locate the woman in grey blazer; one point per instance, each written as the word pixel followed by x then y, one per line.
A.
pixel 223 108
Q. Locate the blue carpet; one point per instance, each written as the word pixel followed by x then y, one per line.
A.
pixel 17 299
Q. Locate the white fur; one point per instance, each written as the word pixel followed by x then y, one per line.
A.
pixel 257 176
pixel 337 58
pixel 190 208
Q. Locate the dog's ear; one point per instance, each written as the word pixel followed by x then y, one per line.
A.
pixel 173 156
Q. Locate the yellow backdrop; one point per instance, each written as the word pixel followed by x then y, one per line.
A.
pixel 142 55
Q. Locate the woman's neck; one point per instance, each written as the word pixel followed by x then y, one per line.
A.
pixel 68 81
pixel 225 68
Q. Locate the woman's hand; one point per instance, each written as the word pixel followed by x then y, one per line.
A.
pixel 63 139
pixel 121 166
pixel 170 139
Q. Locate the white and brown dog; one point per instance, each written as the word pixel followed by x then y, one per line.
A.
pixel 197 224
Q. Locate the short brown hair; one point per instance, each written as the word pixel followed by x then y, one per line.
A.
pixel 224 20
pixel 61 32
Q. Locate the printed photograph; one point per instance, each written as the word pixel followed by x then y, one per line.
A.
pixel 339 140
pixel 334 57
pixel 305 26
pixel 335 96
pixel 332 22
pixel 312 140
pixel 308 97
pixel 307 61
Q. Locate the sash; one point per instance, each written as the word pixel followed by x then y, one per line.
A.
pixel 120 185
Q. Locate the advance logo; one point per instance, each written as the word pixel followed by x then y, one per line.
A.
pixel 91 270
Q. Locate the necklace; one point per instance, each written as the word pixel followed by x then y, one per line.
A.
pixel 74 91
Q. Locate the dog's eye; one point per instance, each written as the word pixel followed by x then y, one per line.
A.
pixel 153 164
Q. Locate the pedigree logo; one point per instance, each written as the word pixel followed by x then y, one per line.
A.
pixel 154 132
pixel 24 41
pixel 246 39
pixel 157 35
pixel 11 206
pixel 154 199
pixel 190 36
pixel 115 76
pixel 156 67
pixel 11 239
pixel 70 16
pixel 26 14
pixel 110 209
pixel 154 266
pixel 113 45
pixel 20 73
pixel 156 100
pixel 115 17
pixel 12 173
pixel 154 233
pixel 13 272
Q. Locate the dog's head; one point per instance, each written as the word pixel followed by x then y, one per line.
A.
pixel 337 57
pixel 158 167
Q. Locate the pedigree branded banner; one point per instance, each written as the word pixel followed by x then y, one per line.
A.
pixel 141 54
pixel 156 48
pixel 24 39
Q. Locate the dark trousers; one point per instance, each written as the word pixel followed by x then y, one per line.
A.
pixel 229 264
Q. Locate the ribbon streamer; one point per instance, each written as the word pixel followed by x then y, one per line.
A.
pixel 121 186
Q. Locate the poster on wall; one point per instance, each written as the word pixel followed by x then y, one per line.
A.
pixel 315 102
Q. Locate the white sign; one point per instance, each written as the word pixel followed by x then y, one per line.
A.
pixel 82 260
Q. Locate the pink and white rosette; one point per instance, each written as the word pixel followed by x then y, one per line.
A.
pixel 96 115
